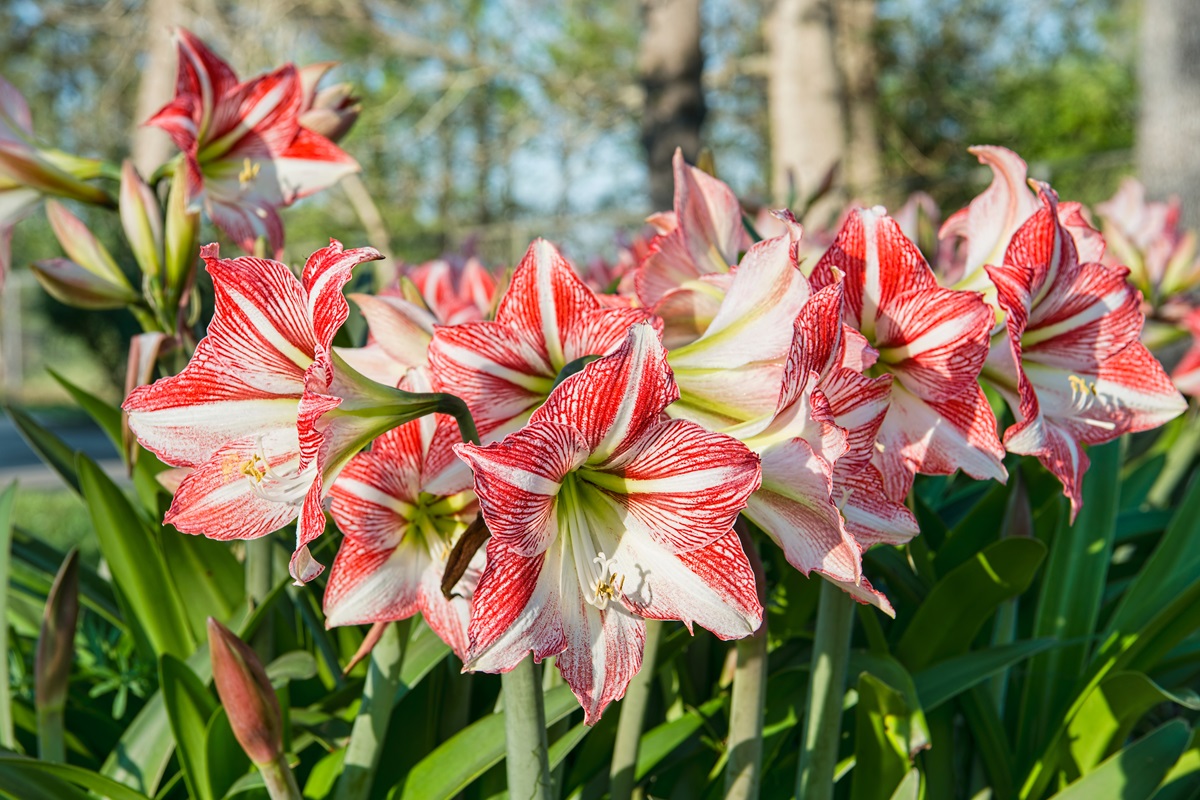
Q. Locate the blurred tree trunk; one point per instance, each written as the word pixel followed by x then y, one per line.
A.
pixel 1168 158
pixel 821 99
pixel 804 97
pixel 151 146
pixel 856 56
pixel 671 63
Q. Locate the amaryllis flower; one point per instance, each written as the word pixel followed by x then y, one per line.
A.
pixel 932 340
pixel 398 335
pixel 603 514
pixel 402 506
pixel 820 445
pixel 1187 371
pixel 547 319
pixel 454 295
pixel 1072 367
pixel 705 236
pixel 263 413
pixel 245 154
pixel 991 219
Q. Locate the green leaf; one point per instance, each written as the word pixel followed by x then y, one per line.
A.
pixel 659 742
pixel 564 744
pixel 424 652
pixel 466 755
pixel 106 416
pixel 144 750
pixel 946 679
pixel 889 734
pixel 189 708
pixel 1183 781
pixel 226 760
pixel 1170 570
pixel 944 624
pixel 7 499
pixel 298 665
pixel 51 449
pixel 135 557
pixel 1135 772
pixel 976 531
pixel 96 592
pixel 27 779
pixel 910 787
pixel 1069 603
pixel 208 577
pixel 1110 711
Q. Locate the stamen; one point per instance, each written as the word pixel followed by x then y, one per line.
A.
pixel 609 584
pixel 249 172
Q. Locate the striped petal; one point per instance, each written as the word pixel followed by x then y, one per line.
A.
pixel 614 399
pixel 518 479
pixel 707 236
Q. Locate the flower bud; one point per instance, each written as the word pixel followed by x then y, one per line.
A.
pixel 330 112
pixel 22 165
pixel 56 642
pixel 82 247
pixel 180 240
pixel 141 218
pixel 69 283
pixel 246 694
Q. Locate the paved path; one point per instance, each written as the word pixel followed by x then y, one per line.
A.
pixel 19 462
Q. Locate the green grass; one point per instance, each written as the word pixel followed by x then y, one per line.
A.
pixel 59 518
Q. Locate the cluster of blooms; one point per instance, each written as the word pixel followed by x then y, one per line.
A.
pixel 619 428
pixel 623 435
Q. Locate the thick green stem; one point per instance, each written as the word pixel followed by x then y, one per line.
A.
pixel 7 500
pixel 633 717
pixel 528 762
pixel 457 408
pixel 280 782
pixel 51 736
pixel 370 726
pixel 744 768
pixel 826 688
pixel 258 586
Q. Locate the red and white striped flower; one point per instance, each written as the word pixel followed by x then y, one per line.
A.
pixel 700 241
pixel 402 506
pixel 547 319
pixel 456 295
pixel 245 154
pixel 603 514
pixel 932 340
pixel 264 413
pixel 1071 367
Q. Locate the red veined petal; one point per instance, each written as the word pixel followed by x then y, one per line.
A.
pixel 712 586
pixel 325 273
pixel 517 482
pixel 679 484
pixel 603 653
pixel 612 400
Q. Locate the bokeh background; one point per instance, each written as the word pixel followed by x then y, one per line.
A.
pixel 488 122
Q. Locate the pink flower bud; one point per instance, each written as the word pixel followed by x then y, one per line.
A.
pixel 246 694
pixel 141 218
pixel 69 283
pixel 82 247
pixel 56 643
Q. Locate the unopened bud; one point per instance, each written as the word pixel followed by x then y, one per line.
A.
pixel 246 694
pixel 180 240
pixel 81 246
pixel 330 112
pixel 23 165
pixel 141 218
pixel 56 642
pixel 69 283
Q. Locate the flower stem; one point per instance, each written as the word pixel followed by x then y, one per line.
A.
pixel 743 771
pixel 50 735
pixel 280 782
pixel 826 688
pixel 258 586
pixel 633 717
pixel 371 724
pixel 528 762
pixel 457 408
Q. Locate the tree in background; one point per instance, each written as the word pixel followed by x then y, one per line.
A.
pixel 1168 126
